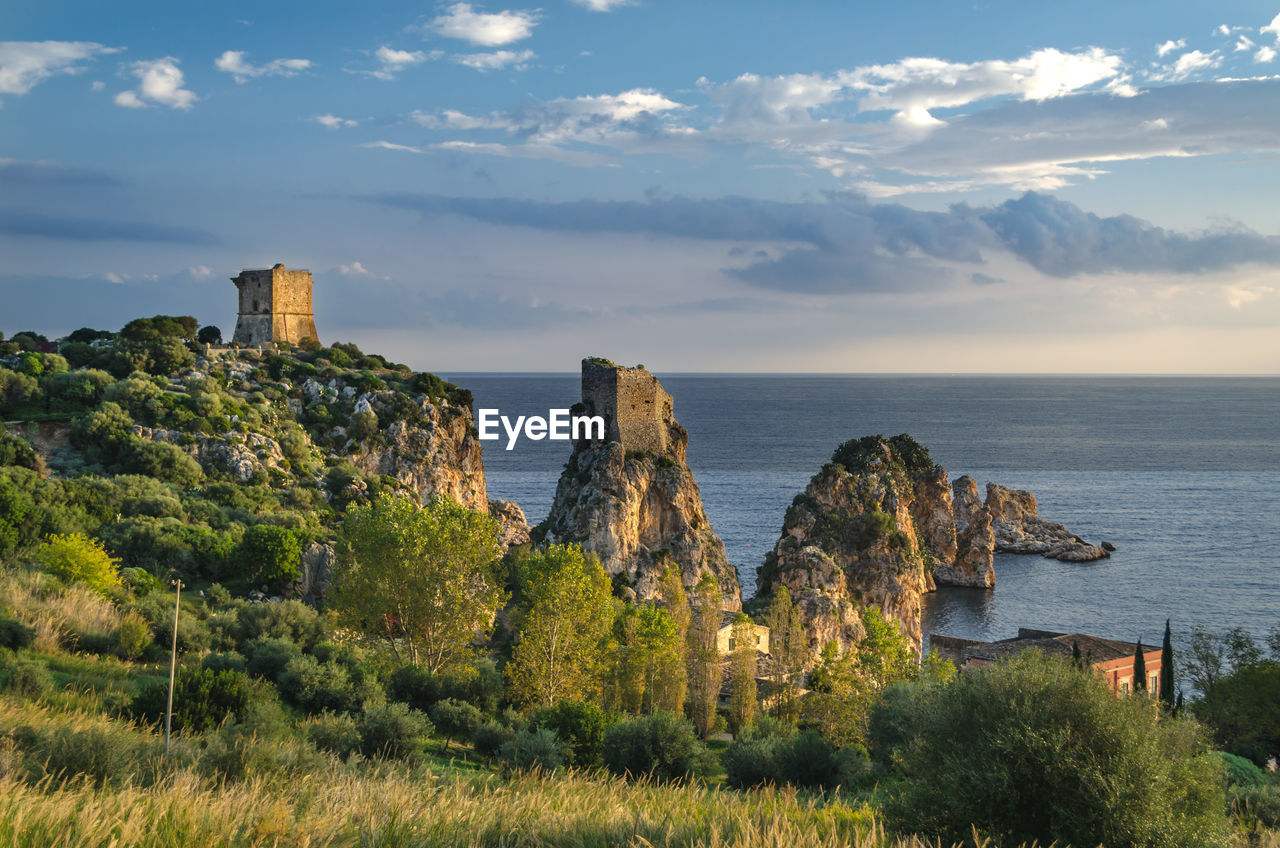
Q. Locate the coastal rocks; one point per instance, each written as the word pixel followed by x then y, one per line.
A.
pixel 514 526
pixel 1019 529
pixel 434 453
pixel 630 498
pixel 869 529
pixel 974 561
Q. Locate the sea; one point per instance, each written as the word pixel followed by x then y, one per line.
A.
pixel 1181 474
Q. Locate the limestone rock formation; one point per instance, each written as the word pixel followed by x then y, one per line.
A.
pixel 317 572
pixel 869 529
pixel 243 455
pixel 435 453
pixel 1019 529
pixel 630 497
pixel 510 517
pixel 974 561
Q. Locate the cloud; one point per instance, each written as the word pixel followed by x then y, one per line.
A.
pixel 391 62
pixel 603 5
pixel 1187 65
pixel 850 244
pixel 1168 47
pixel 160 83
pixel 26 223
pixel 497 60
pixel 1243 43
pixel 40 173
pixel 25 64
pixel 333 122
pixel 200 272
pixel 233 62
pixel 484 29
pixel 355 269
pixel 1264 54
pixel 1272 28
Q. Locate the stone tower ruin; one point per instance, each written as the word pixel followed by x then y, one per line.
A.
pixel 275 306
pixel 637 411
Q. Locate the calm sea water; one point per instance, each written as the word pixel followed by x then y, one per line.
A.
pixel 1181 474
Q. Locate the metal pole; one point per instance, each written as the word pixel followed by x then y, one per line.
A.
pixel 173 666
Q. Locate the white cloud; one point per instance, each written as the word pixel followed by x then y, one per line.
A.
pixel 603 5
pixel 1238 296
pixel 1187 65
pixel 387 145
pixel 482 28
pixel 1222 29
pixel 160 83
pixel 1264 54
pixel 333 122
pixel 497 60
pixel 200 272
pixel 113 277
pixel 913 87
pixel 1273 28
pixel 1155 124
pixel 25 64
pixel 355 269
pixel 1243 43
pixel 391 62
pixel 233 62
pixel 98 85
pixel 1170 46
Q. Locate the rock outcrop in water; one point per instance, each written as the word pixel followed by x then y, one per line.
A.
pixel 630 497
pixel 870 528
pixel 974 561
pixel 1019 529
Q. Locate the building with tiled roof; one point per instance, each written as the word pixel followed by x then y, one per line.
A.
pixel 1110 658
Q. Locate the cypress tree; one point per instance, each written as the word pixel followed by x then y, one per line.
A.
pixel 1076 659
pixel 1167 684
pixel 1139 670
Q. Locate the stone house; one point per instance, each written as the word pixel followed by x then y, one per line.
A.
pixel 1113 660
pixel 725 642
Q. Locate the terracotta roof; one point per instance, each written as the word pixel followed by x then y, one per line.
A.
pixel 1049 642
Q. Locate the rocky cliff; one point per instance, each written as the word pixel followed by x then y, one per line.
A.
pixel 1019 529
pixel 870 528
pixel 630 496
pixel 974 562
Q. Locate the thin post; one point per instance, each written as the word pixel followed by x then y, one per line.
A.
pixel 173 665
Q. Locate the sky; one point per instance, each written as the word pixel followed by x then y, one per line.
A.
pixel 938 187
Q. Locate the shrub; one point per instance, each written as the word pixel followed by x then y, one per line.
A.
pixel 99 755
pixel 141 581
pixel 1255 807
pixel 533 749
pixel 392 731
pixel 14 634
pixel 1241 772
pixel 157 609
pixel 580 725
pixel 202 699
pixel 228 661
pixel 292 620
pixel 27 677
pixel 336 733
pixel 455 719
pixel 237 753
pixel 77 558
pixel 268 656
pixel 807 760
pixel 316 685
pixel 133 636
pixel 270 554
pixel 1029 749
pixel 1243 710
pixel 18 451
pixel 661 745
pixel 490 737
pixel 751 762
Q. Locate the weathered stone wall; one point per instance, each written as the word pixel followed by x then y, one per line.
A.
pixel 636 409
pixel 275 306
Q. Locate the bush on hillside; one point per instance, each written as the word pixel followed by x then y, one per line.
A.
pixel 393 731
pixel 662 745
pixel 1032 749
pixel 533 749
pixel 581 725
pixel 202 699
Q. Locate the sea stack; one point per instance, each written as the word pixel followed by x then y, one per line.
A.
pixel 630 497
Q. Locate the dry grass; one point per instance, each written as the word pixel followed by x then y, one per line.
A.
pixel 58 613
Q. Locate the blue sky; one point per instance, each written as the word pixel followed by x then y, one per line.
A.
pixel 755 186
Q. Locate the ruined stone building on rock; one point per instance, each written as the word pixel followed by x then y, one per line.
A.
pixel 275 306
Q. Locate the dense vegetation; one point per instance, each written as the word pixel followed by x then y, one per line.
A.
pixel 446 693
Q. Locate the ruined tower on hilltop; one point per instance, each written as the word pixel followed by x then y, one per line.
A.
pixel 275 306
pixel 637 411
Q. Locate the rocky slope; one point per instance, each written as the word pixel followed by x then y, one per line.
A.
pixel 870 528
pixel 973 564
pixel 1019 529
pixel 630 497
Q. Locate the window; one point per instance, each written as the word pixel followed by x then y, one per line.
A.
pixel 1154 685
pixel 1124 688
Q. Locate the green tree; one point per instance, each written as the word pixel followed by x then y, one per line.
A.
pixel 422 580
pixel 270 554
pixel 1242 709
pixel 1026 749
pixel 789 645
pixel 742 674
pixel 77 558
pixel 1139 670
pixel 564 622
pixel 1167 683
pixel 705 670
pixel 647 671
